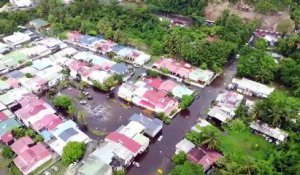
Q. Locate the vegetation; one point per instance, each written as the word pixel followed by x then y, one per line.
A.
pixel 119 172
pixel 109 83
pixel 187 168
pixel 7 152
pixel 163 117
pixel 28 75
pixel 72 152
pixel 152 73
pixel 186 101
pixel 82 117
pixel 22 132
pixel 179 159
pixel 62 101
pixel 237 125
pixel 278 110
pixel 258 65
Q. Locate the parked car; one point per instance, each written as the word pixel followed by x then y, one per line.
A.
pixel 160 138
pixel 47 173
pixel 89 97
pixel 232 86
pixel 136 164
pixel 55 168
pixel 83 102
pixel 72 165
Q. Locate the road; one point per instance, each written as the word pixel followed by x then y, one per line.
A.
pixel 160 153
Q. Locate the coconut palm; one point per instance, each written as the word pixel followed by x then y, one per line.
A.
pixel 210 137
pixel 82 117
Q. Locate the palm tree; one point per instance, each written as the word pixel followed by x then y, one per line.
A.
pixel 82 117
pixel 210 137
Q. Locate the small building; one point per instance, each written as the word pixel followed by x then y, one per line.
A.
pixel 21 3
pixel 39 23
pixel 119 68
pixel 184 146
pixel 271 134
pixel 201 124
pixel 249 87
pixel 201 76
pixel 74 36
pixel 4 48
pixel 180 91
pixel 94 166
pixel 204 157
pixel 217 113
pixel 138 57
pixel 16 38
pixel 7 138
pixel 152 126
pixel 29 156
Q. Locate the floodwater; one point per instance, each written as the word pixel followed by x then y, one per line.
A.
pixel 106 115
pixel 159 153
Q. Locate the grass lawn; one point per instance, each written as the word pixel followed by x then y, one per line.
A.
pixel 242 145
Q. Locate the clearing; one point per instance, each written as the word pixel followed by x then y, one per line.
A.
pixel 268 21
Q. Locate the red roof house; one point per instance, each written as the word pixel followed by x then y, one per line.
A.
pixel 153 82
pixel 167 85
pixel 50 122
pixel 159 99
pixel 127 142
pixel 74 36
pixel 3 116
pixel 181 69
pixel 7 138
pixel 204 157
pixel 31 158
pixel 22 144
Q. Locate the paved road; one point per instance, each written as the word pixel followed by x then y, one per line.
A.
pixel 159 153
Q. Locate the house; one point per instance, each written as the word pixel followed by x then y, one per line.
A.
pixel 180 69
pixel 29 156
pixel 36 84
pixel 119 68
pixel 204 157
pixel 125 141
pixel 7 125
pixel 67 52
pixel 272 134
pixel 94 166
pixel 179 91
pixel 201 124
pixel 38 23
pixel 138 57
pixel 48 122
pixel 114 154
pixel 201 76
pixel 37 52
pixel 122 51
pixel 155 83
pixel 89 41
pixel 33 112
pixel 152 126
pixel 105 46
pixel 184 146
pixel 52 75
pixel 17 38
pixel 27 70
pixel 53 44
pixel 158 101
pixel 11 97
pixel 64 133
pixel 41 64
pixel 74 66
pixel 74 36
pixel 99 76
pixel 217 113
pixel 7 138
pixel 167 85
pixel 21 3
pixel 249 87
pixel 4 48
pixel 229 101
pixel 4 86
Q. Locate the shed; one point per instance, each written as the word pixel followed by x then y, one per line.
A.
pixel 38 23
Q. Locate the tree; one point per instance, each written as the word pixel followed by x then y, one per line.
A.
pixel 152 73
pixel 71 110
pixel 194 137
pixel 62 101
pixel 210 137
pixel 237 125
pixel 286 26
pixel 261 43
pixel 28 75
pixel 187 168
pixel 186 101
pixel 179 159
pixel 72 152
pixel 7 152
pixel 257 65
pixel 82 117
pixel 119 172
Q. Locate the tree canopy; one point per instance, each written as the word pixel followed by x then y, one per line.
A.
pixel 62 101
pixel 187 168
pixel 72 152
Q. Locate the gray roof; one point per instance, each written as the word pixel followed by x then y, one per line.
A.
pixel 66 134
pixel 153 126
pixel 14 74
pixel 119 68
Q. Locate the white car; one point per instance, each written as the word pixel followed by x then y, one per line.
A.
pixel 47 173
pixel 136 164
pixel 72 165
pixel 160 138
pixel 83 102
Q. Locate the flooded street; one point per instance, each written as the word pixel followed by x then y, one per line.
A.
pixel 160 153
